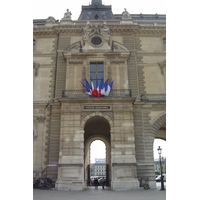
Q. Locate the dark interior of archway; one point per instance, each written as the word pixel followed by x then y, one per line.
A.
pixel 97 126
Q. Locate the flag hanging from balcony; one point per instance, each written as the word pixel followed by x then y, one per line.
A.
pixel 103 89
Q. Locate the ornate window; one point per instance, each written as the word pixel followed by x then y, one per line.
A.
pixel 96 41
pixel 96 70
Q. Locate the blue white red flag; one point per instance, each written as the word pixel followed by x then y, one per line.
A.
pixel 88 87
pixel 109 88
pixel 103 89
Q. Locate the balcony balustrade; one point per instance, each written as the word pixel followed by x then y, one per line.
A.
pixel 82 94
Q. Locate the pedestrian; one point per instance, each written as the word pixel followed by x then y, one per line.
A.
pixel 96 183
pixel 103 183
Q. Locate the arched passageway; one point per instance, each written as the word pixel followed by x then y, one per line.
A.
pixel 159 128
pixel 96 128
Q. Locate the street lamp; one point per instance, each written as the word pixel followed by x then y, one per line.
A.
pixel 162 183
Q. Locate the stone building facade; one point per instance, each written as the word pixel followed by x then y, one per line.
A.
pixel 132 50
pixel 98 168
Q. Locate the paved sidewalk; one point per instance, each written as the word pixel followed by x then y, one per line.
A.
pixel 107 194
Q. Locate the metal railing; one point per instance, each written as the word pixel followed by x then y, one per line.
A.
pixel 124 93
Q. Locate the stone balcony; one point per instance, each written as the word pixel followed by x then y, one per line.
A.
pixel 76 94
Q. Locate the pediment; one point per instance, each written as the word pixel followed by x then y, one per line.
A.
pixel 96 38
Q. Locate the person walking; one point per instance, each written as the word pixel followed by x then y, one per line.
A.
pixel 96 183
pixel 103 183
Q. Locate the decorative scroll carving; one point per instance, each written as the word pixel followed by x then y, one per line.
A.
pixel 92 29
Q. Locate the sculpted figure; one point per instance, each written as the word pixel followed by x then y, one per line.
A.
pixel 68 14
pixel 125 14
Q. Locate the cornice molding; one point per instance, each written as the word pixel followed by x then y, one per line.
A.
pixel 72 29
pixel 121 28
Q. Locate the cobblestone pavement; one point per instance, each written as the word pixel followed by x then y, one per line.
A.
pixel 107 194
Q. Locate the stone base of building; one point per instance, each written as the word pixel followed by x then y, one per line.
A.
pixel 124 177
pixel 69 186
pixel 125 185
pixel 70 177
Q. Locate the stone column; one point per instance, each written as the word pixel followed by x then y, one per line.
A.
pixel 71 155
pixel 123 161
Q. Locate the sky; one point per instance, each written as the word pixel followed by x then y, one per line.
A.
pixel 98 149
pixel 42 9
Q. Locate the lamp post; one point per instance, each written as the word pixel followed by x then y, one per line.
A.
pixel 162 183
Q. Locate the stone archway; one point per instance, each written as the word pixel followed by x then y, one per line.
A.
pixel 158 130
pixel 159 127
pixel 96 128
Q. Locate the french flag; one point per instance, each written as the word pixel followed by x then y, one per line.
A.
pixel 94 91
pixel 98 89
pixel 108 87
pixel 103 89
pixel 88 87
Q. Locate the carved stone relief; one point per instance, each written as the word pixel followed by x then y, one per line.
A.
pixel 92 29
